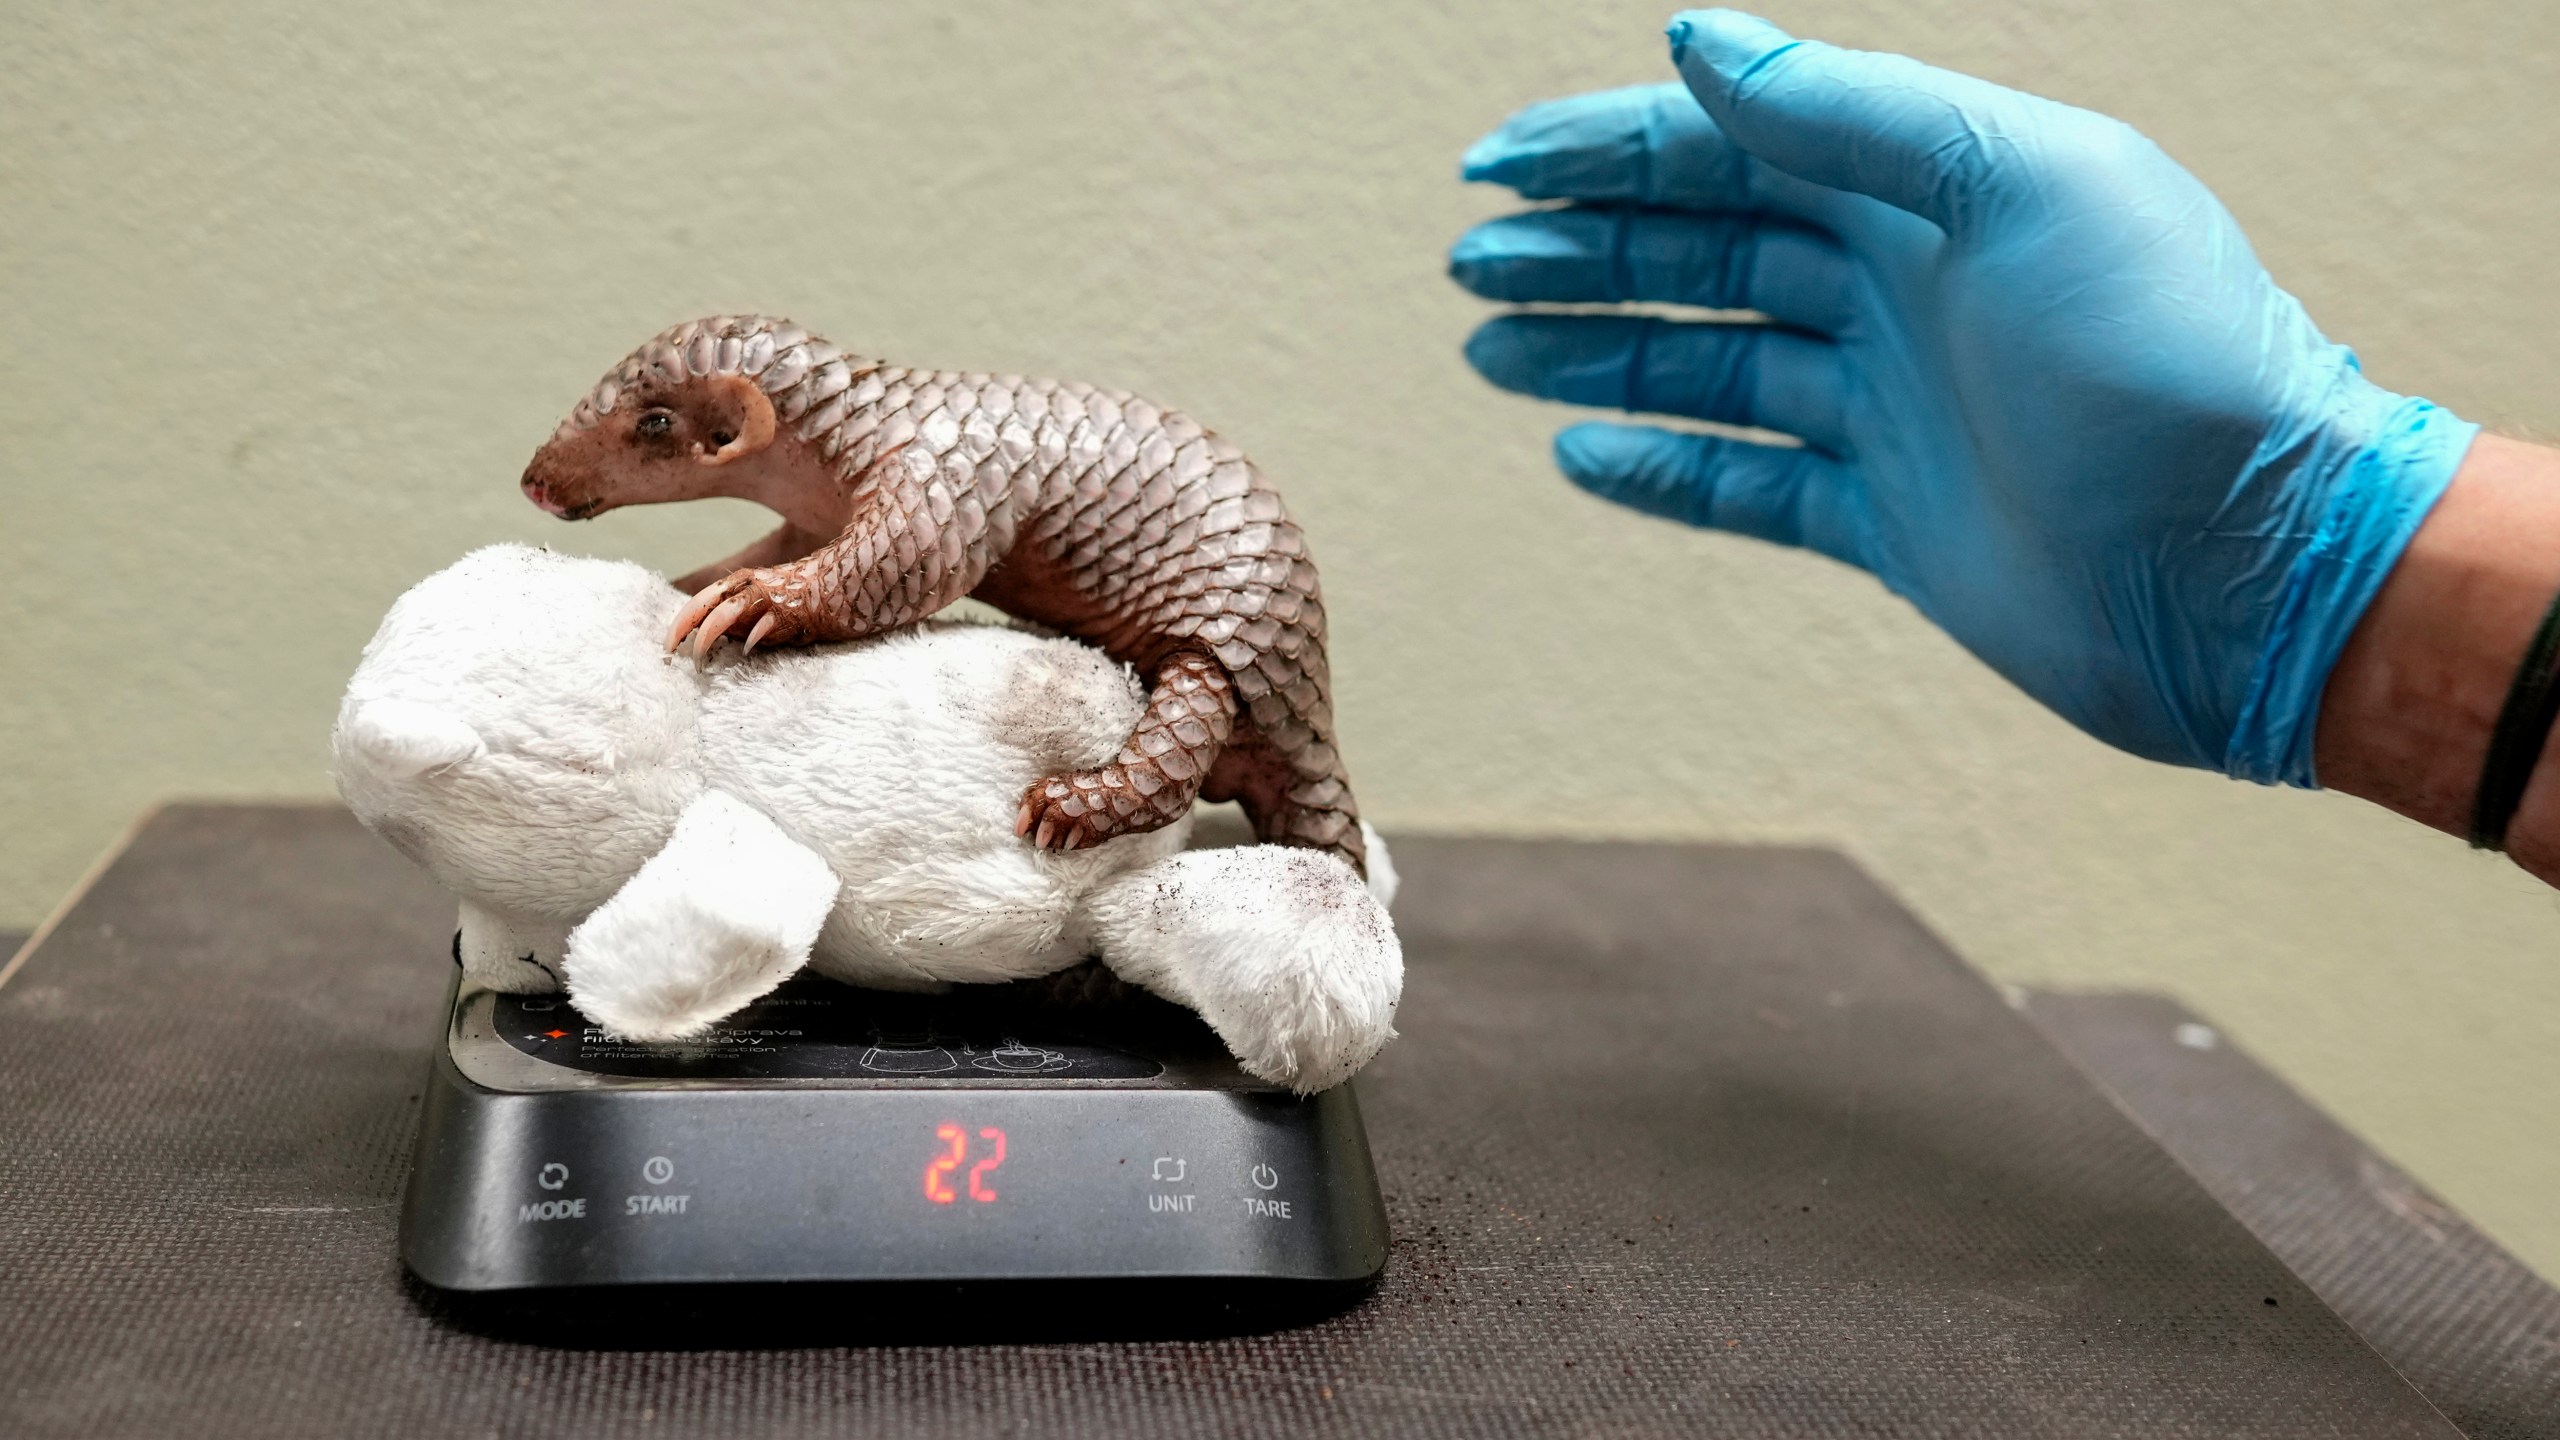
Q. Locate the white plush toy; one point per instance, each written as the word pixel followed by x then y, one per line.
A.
pixel 667 841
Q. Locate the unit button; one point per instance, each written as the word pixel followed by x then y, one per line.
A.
pixel 1171 1170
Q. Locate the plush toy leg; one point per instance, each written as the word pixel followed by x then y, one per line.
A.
pixel 509 953
pixel 724 913
pixel 1281 949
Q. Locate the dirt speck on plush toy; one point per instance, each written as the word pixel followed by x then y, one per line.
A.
pixel 1114 520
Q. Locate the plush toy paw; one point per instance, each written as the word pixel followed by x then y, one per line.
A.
pixel 774 603
pixel 728 910
pixel 1282 950
pixel 509 954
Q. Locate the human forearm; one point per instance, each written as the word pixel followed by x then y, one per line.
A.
pixel 2406 717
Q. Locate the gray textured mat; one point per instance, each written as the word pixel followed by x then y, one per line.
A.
pixel 1677 1141
pixel 2462 1319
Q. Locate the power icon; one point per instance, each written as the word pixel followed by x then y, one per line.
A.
pixel 659 1170
pixel 1265 1178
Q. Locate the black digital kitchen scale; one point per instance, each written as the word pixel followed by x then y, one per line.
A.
pixel 1045 1159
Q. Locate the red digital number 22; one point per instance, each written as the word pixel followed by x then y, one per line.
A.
pixel 977 1173
pixel 937 1172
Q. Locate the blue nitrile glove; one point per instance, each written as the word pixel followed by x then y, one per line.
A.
pixel 2047 392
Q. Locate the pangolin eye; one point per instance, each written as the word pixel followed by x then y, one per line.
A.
pixel 655 424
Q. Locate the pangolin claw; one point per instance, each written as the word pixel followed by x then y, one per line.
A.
pixel 717 625
pixel 703 602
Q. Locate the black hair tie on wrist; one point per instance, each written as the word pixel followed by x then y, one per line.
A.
pixel 2515 746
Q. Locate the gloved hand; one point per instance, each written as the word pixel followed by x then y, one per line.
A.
pixel 2046 391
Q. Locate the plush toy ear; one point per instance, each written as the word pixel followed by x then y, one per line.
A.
pixel 728 910
pixel 401 739
pixel 750 419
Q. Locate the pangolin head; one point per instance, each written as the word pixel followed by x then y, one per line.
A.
pixel 687 414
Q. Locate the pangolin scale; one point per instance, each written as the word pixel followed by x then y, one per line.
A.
pixel 1087 510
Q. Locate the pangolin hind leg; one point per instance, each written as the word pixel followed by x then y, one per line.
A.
pixel 1289 798
pixel 1158 773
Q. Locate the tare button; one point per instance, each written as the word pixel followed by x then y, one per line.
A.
pixel 1265 1178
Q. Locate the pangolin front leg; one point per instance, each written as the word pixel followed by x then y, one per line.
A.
pixel 785 544
pixel 772 602
pixel 1158 772
pixel 907 552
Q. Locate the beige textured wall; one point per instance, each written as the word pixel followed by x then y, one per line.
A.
pixel 287 295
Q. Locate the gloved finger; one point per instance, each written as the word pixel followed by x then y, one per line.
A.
pixel 1938 144
pixel 1644 145
pixel 1768 492
pixel 1787 271
pixel 1737 374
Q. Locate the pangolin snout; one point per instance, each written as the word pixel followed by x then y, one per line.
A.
pixel 540 488
pixel 538 493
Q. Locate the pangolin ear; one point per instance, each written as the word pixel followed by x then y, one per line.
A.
pixel 749 411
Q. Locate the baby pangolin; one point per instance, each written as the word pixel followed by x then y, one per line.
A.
pixel 1089 511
